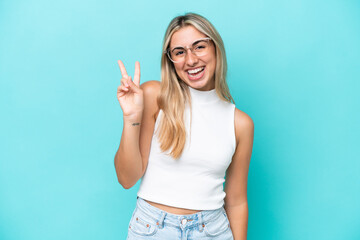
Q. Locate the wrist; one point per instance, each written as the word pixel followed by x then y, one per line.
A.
pixel 132 123
pixel 133 120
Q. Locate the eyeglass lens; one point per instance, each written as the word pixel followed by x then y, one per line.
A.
pixel 199 48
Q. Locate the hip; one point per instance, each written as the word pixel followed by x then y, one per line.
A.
pixel 150 222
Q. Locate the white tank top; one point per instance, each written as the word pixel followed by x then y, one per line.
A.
pixel 195 180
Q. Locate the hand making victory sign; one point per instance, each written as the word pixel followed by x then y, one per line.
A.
pixel 129 93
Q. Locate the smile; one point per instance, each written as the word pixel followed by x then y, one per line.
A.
pixel 194 71
pixel 195 74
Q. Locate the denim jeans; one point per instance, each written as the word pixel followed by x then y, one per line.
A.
pixel 149 222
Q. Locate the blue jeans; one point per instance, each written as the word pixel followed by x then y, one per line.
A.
pixel 149 222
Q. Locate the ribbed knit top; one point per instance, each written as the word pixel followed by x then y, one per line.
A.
pixel 195 180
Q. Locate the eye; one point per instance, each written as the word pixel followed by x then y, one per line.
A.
pixel 178 53
pixel 200 46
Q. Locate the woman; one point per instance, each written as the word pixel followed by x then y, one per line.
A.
pixel 180 136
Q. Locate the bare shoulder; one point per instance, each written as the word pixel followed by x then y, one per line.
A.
pixel 151 90
pixel 244 125
pixel 151 86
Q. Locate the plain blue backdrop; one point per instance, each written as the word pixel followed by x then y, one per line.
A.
pixel 294 67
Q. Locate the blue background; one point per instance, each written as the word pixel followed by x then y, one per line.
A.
pixel 294 67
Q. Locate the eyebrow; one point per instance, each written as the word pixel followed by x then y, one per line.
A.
pixel 197 41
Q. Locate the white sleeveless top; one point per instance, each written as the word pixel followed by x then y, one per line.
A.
pixel 195 180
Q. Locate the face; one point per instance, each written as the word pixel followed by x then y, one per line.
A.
pixel 205 79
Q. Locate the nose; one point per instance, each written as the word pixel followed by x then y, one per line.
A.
pixel 190 58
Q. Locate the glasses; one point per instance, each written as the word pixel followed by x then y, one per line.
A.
pixel 199 48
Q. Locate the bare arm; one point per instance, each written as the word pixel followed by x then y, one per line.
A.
pixel 236 205
pixel 128 161
pixel 131 158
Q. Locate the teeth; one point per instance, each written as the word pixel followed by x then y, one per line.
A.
pixel 195 70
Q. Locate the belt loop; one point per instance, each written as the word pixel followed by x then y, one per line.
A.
pixel 161 221
pixel 200 221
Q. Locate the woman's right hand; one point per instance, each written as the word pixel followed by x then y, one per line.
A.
pixel 129 93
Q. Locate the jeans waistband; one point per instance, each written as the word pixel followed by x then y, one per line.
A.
pixel 200 218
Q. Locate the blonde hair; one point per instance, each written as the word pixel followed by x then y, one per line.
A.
pixel 175 93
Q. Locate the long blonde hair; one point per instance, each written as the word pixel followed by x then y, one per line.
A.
pixel 175 93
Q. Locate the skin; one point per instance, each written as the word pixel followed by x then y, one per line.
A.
pixel 144 96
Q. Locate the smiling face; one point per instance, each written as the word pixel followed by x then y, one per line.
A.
pixel 204 79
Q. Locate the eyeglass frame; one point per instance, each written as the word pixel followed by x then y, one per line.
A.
pixel 186 48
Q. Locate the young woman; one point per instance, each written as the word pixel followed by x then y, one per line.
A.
pixel 181 136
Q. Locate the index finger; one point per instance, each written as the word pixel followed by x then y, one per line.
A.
pixel 122 69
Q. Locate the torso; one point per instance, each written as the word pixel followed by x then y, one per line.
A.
pixel 166 208
pixel 170 209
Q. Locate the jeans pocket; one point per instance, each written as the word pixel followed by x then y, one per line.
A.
pixel 141 224
pixel 217 226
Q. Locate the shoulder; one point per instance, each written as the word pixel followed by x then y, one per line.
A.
pixel 151 87
pixel 244 125
pixel 151 91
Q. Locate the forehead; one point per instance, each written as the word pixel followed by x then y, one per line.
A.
pixel 185 36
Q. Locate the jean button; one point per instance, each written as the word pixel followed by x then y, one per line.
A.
pixel 184 221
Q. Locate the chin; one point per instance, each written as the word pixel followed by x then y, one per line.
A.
pixel 201 86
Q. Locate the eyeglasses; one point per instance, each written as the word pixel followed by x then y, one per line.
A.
pixel 199 48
